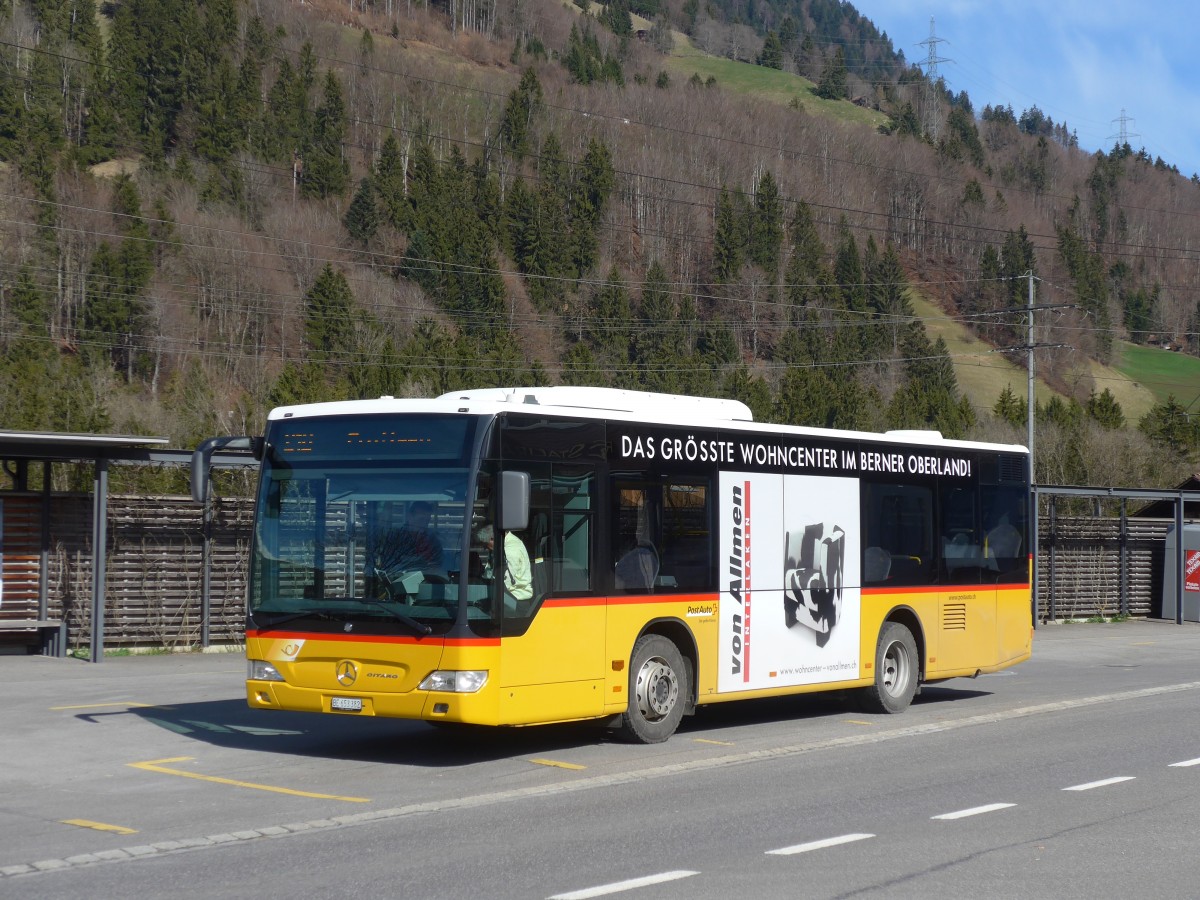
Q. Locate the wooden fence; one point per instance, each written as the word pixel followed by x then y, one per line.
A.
pixel 1087 567
pixel 154 568
pixel 154 561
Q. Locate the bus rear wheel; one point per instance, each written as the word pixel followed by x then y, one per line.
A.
pixel 896 671
pixel 658 691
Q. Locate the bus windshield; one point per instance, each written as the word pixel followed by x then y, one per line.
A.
pixel 361 523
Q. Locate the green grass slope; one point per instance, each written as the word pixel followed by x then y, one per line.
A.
pixel 1161 372
pixel 982 372
pixel 769 84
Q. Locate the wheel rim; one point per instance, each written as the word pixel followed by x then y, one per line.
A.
pixel 897 669
pixel 657 689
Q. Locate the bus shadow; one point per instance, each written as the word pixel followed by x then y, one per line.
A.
pixel 808 707
pixel 233 725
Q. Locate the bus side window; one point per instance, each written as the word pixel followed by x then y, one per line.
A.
pixel 686 537
pixel 569 551
pixel 961 547
pixel 898 542
pixel 662 534
pixel 1004 514
pixel 636 534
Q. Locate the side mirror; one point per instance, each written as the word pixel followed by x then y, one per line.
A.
pixel 202 460
pixel 514 501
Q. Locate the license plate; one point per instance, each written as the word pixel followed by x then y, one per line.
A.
pixel 346 704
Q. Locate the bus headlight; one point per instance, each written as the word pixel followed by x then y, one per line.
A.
pixel 455 682
pixel 261 670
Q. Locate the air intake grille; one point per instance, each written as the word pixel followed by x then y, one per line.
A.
pixel 1013 468
pixel 954 617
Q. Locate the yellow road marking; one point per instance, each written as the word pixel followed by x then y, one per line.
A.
pixel 858 722
pixel 99 826
pixel 154 765
pixel 718 743
pixel 124 703
pixel 559 765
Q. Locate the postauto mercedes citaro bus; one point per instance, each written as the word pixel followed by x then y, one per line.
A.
pixel 519 556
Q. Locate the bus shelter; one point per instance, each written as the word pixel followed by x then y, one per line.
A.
pixel 20 571
pixel 1178 504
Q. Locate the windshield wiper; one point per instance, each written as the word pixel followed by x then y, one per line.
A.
pixel 418 627
pixel 291 617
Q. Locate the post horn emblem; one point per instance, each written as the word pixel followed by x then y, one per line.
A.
pixel 347 673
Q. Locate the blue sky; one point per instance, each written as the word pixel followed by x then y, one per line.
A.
pixel 1079 61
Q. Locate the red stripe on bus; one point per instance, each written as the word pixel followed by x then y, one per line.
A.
pixel 941 589
pixel 372 638
pixel 627 600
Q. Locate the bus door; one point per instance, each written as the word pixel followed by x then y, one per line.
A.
pixel 967 607
pixel 553 646
pixel 1005 565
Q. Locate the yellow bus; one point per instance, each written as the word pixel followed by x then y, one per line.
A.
pixel 516 556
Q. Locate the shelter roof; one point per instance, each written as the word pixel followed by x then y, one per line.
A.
pixel 59 445
pixel 1165 509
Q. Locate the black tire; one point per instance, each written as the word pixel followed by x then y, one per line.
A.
pixel 897 669
pixel 658 691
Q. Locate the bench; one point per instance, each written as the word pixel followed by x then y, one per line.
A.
pixel 51 634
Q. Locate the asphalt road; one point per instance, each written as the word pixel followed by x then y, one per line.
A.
pixel 1076 774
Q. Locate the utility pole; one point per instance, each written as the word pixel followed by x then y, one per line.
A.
pixel 1033 499
pixel 1029 394
pixel 1029 437
pixel 933 106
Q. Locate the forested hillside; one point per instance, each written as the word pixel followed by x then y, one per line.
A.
pixel 211 208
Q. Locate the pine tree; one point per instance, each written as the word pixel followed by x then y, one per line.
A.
pixel 727 240
pixel 833 85
pixel 388 184
pixel 362 216
pixel 589 195
pixel 772 52
pixel 287 116
pixel 329 316
pixel 219 135
pixel 655 347
pixel 1009 408
pixel 616 17
pixel 523 103
pixel 1169 423
pixel 766 226
pixel 553 257
pixel 581 368
pixel 1104 409
pixel 848 271
pixel 610 319
pixel 326 171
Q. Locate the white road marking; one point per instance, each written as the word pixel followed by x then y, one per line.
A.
pixel 819 845
pixel 973 811
pixel 618 886
pixel 1105 782
pixel 1187 762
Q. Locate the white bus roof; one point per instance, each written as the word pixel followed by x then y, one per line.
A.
pixel 614 404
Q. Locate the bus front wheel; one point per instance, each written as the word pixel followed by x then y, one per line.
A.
pixel 657 691
pixel 896 671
